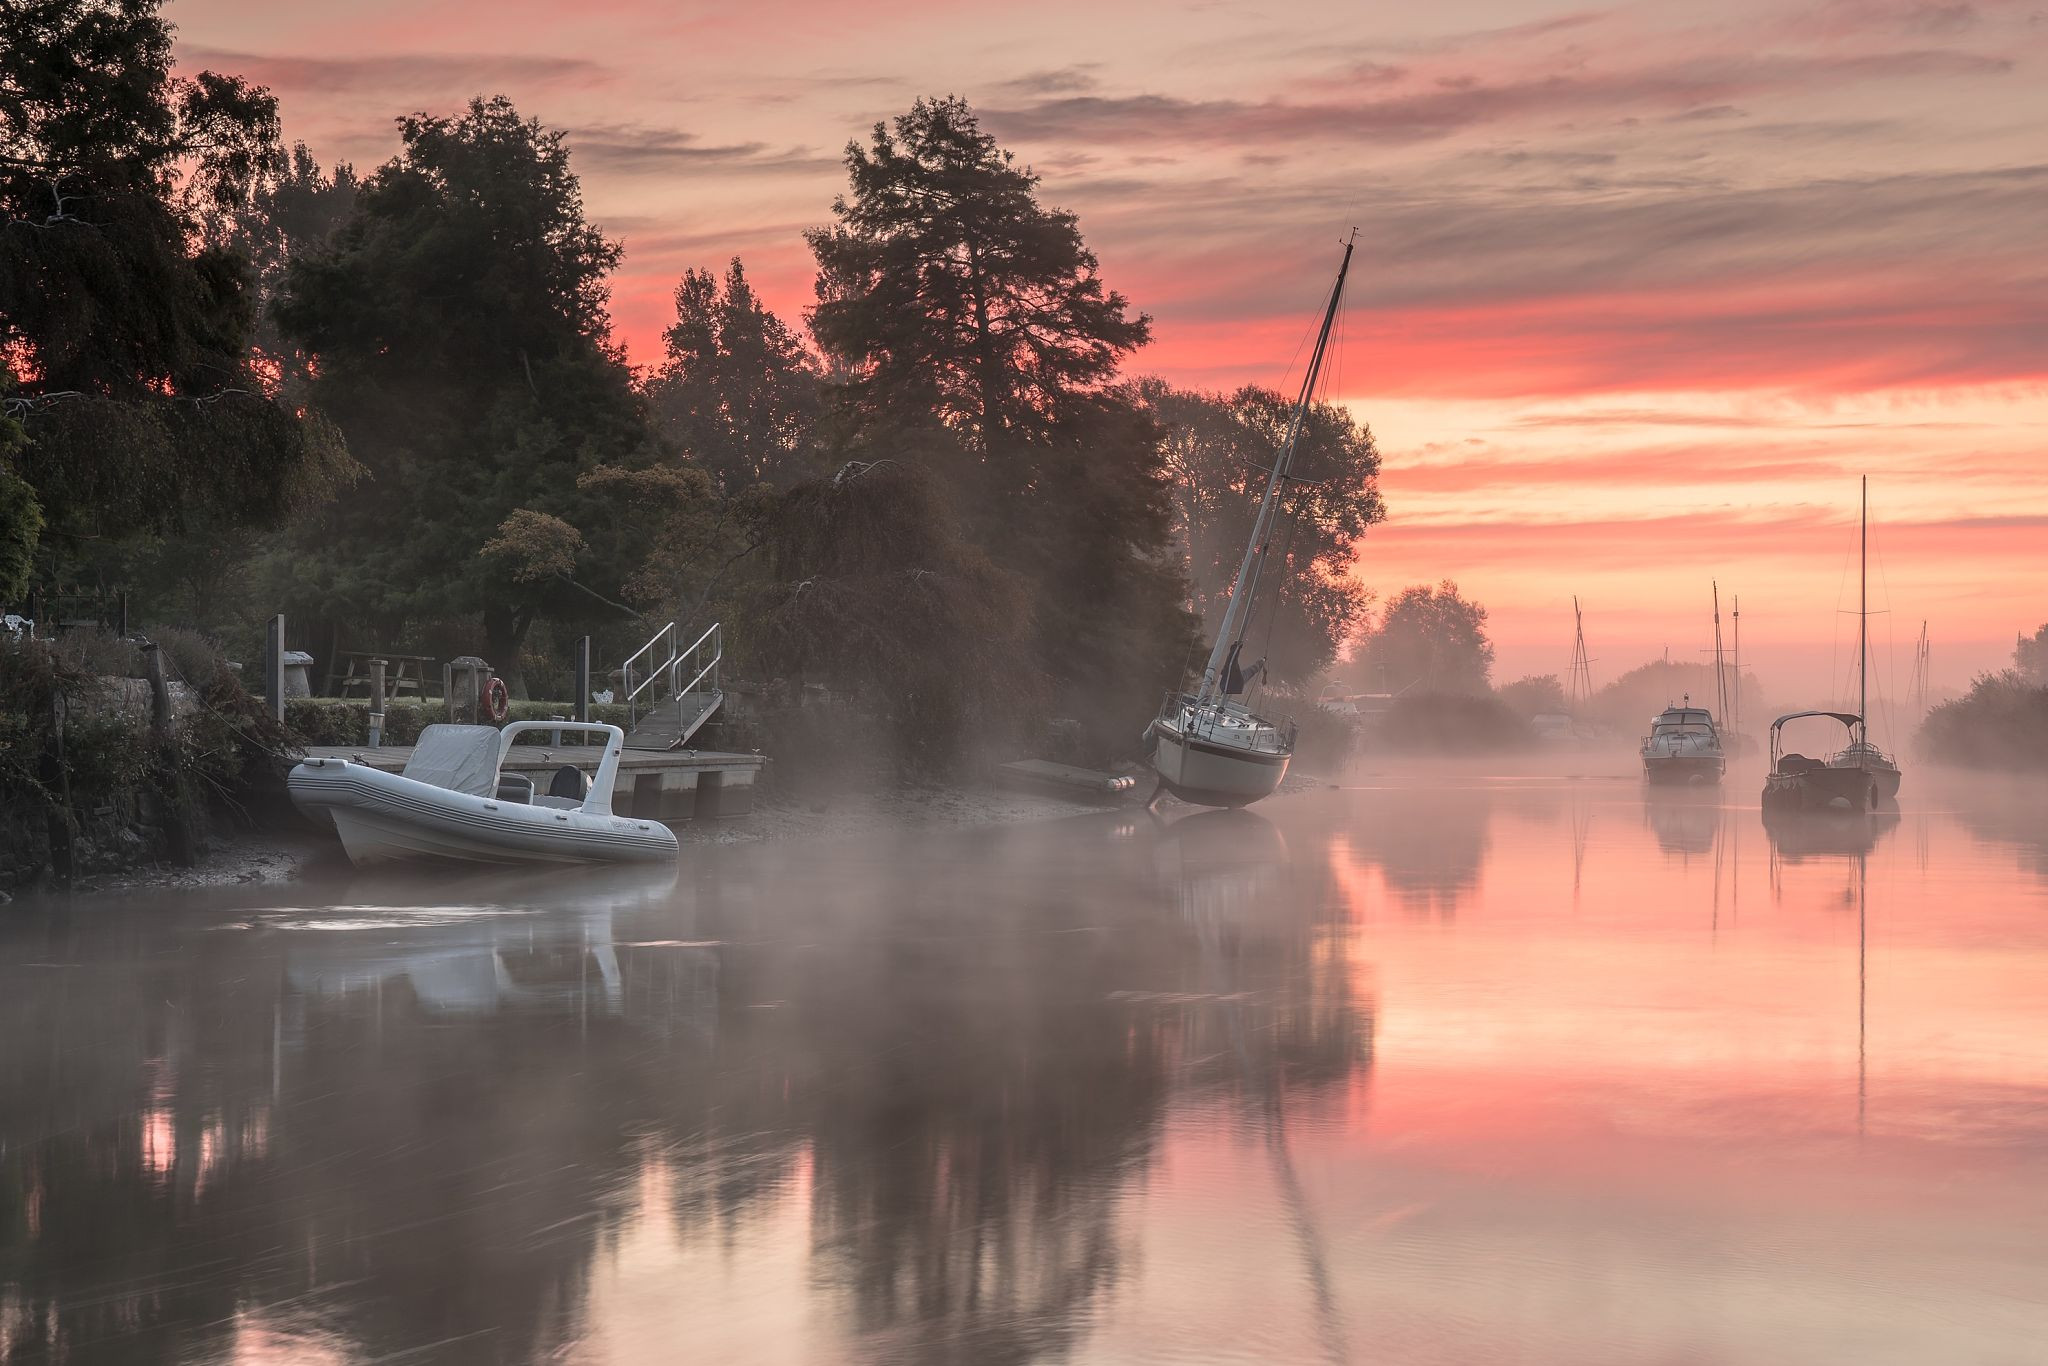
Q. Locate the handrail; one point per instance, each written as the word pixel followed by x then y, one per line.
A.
pixel 671 666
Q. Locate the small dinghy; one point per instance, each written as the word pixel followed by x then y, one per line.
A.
pixel 455 802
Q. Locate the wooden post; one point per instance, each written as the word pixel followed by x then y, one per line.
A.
pixel 171 788
pixel 376 702
pixel 583 679
pixel 273 667
pixel 56 777
pixel 448 690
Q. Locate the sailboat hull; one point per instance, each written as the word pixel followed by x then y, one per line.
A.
pixel 1214 775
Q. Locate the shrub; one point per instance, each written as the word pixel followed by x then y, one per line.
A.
pixel 2002 722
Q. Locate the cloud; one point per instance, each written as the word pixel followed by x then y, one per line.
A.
pixel 632 149
pixel 1454 104
pixel 1059 81
pixel 437 74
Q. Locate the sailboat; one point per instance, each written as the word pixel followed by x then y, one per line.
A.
pixel 1862 754
pixel 1208 747
pixel 1860 775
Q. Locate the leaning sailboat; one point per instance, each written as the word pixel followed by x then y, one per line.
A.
pixel 1208 747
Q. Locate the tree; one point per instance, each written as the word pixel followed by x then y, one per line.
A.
pixel 947 290
pixel 738 393
pixel 21 516
pixel 969 321
pixel 1218 450
pixel 459 328
pixel 876 592
pixel 123 313
pixel 1535 695
pixel 1430 640
pixel 2030 656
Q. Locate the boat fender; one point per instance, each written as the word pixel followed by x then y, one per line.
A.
pixel 497 702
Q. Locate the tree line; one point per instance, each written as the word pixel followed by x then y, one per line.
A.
pixel 392 404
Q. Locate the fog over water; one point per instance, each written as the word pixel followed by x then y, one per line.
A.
pixel 1423 1068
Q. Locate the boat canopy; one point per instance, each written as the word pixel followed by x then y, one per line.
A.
pixel 1846 718
pixel 458 758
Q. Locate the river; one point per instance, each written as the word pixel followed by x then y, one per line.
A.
pixel 1413 1070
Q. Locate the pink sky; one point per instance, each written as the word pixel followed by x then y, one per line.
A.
pixel 1641 289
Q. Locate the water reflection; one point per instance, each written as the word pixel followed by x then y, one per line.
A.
pixel 1304 1080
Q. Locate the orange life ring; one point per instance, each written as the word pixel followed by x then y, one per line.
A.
pixel 497 702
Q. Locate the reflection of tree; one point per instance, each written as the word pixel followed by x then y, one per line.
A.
pixel 1429 845
pixel 350 1136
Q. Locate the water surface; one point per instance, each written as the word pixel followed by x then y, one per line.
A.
pixel 1446 1070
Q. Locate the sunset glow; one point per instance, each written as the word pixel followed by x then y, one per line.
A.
pixel 1640 292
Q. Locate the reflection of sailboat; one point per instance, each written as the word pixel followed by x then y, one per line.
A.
pixel 1684 821
pixel 1210 748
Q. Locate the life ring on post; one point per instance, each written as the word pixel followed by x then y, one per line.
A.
pixel 497 703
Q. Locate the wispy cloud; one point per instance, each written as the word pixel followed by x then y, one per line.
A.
pixel 443 75
pixel 631 149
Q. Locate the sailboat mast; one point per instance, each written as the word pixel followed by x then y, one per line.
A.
pixel 1863 616
pixel 1238 609
pixel 1735 681
pixel 1720 672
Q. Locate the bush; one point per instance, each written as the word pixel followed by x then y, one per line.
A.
pixel 334 721
pixel 1452 723
pixel 2002 723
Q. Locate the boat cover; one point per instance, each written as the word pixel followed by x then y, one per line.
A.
pixel 459 758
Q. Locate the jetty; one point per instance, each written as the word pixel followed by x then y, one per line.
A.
pixel 663 785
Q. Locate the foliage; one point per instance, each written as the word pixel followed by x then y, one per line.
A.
pixel 459 328
pixel 876 592
pixel 2002 723
pixel 2030 656
pixel 1452 723
pixel 1430 639
pixel 1628 703
pixel 738 393
pixel 947 290
pixel 123 312
pixel 1218 450
pixel 21 515
pixel 970 324
pixel 1535 695
pixel 315 721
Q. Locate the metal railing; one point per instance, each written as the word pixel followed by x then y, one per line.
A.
pixel 703 654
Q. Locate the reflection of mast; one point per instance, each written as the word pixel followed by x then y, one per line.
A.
pixel 1862 986
pixel 1579 683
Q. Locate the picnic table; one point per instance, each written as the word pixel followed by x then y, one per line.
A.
pixel 350 669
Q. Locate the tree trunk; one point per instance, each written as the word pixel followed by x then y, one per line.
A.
pixel 505 630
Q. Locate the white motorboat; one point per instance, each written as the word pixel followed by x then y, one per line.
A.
pixel 1208 747
pixel 1684 746
pixel 455 802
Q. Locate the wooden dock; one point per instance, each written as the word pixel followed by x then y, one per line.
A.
pixel 663 785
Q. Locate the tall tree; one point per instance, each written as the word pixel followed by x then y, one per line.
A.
pixel 738 393
pixel 1218 450
pixel 459 328
pixel 953 302
pixel 949 291
pixel 2030 656
pixel 124 314
pixel 1428 640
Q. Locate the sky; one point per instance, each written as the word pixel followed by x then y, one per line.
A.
pixel 1641 290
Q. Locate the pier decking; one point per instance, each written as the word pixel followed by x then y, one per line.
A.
pixel 662 785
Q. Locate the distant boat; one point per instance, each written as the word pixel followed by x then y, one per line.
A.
pixel 1684 746
pixel 1208 747
pixel 1861 754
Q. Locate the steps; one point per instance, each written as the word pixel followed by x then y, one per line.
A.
pixel 662 709
pixel 671 724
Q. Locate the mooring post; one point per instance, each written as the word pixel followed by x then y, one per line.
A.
pixel 177 798
pixel 376 702
pixel 448 690
pixel 583 679
pixel 273 667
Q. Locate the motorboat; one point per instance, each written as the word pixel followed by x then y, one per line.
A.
pixel 1209 747
pixel 1799 783
pixel 1683 746
pixel 454 801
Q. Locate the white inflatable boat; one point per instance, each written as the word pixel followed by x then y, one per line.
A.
pixel 455 802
